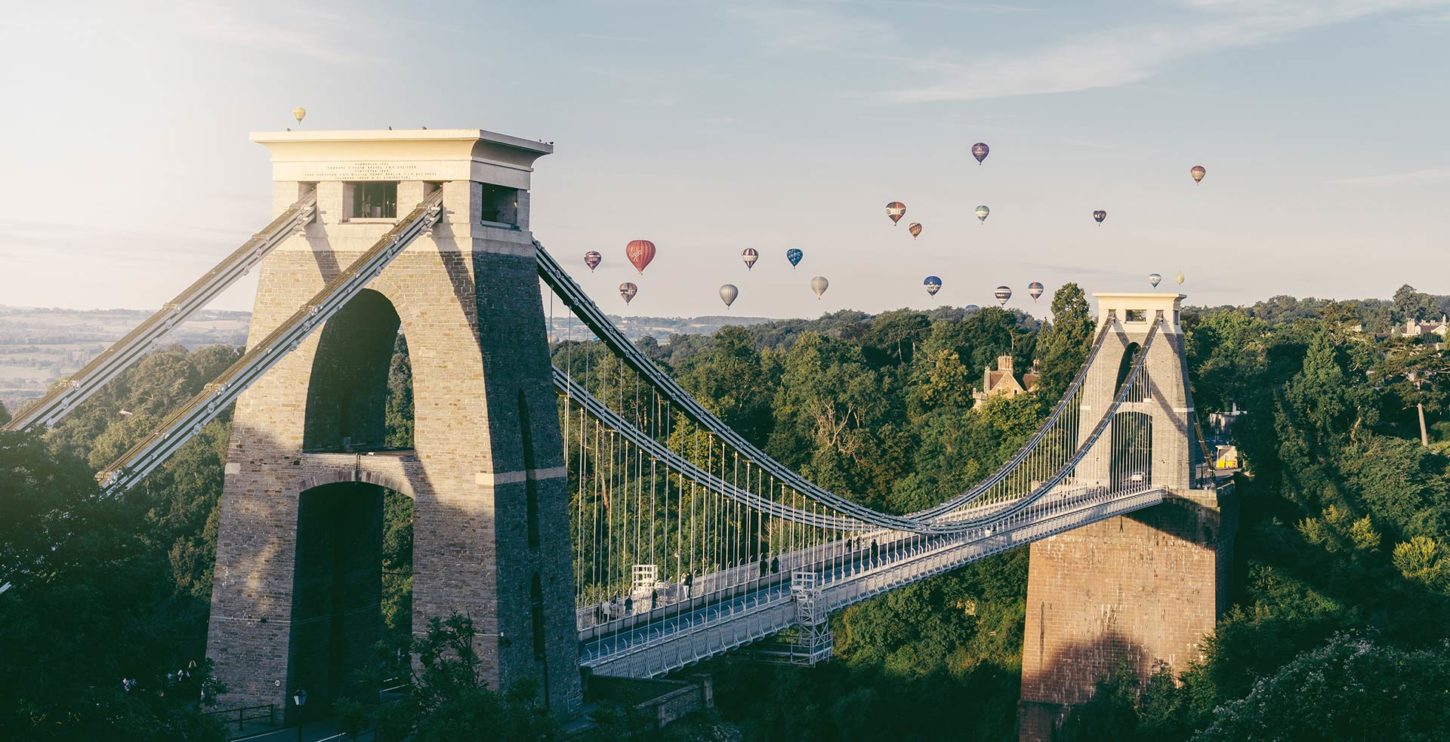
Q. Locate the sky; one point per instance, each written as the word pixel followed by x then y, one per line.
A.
pixel 710 127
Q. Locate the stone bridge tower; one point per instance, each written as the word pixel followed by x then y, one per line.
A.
pixel 1135 590
pixel 295 601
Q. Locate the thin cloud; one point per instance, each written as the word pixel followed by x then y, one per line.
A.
pixel 811 28
pixel 1137 52
pixel 324 37
pixel 1430 176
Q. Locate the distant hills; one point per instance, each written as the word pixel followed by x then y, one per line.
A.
pixel 39 346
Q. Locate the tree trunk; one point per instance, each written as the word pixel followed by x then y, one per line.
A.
pixel 1424 436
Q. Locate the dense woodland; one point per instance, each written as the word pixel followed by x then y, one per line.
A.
pixel 1341 609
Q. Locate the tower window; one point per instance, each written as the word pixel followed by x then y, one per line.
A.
pixel 1136 315
pixel 500 204
pixel 373 200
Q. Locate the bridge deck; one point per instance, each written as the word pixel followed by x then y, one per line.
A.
pixel 673 637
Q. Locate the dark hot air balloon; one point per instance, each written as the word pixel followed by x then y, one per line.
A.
pixel 915 230
pixel 1003 293
pixel 1034 290
pixel 628 290
pixel 749 256
pixel 1198 172
pixel 819 284
pixel 932 284
pixel 593 259
pixel 895 210
pixel 640 253
pixel 980 150
pixel 728 292
pixel 1154 279
pixel 794 255
pixel 1099 216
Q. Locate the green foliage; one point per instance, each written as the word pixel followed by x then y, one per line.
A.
pixel 1065 344
pixel 449 700
pixel 1350 688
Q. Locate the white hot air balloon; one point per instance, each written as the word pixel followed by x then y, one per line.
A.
pixel 299 113
pixel 1154 279
pixel 728 292
pixel 983 212
pixel 1178 279
pixel 819 284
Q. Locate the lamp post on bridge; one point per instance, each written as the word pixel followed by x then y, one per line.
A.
pixel 299 698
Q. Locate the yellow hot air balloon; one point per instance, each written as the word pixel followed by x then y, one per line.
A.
pixel 299 113
pixel 1178 279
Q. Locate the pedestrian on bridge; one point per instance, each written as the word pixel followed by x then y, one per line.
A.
pixel 775 565
pixel 628 605
pixel 762 566
pixel 689 583
pixel 873 552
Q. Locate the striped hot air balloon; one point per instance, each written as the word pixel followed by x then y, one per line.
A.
pixel 593 259
pixel 895 210
pixel 749 255
pixel 640 253
pixel 1003 293
pixel 1034 290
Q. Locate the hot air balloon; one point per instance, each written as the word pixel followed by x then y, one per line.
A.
pixel 728 292
pixel 794 255
pixel 640 252
pixel 1198 172
pixel 1154 279
pixel 628 290
pixel 1099 216
pixel 982 213
pixel 915 230
pixel 895 210
pixel 980 150
pixel 1178 279
pixel 819 284
pixel 1003 293
pixel 932 284
pixel 749 255
pixel 299 113
pixel 1034 290
pixel 593 259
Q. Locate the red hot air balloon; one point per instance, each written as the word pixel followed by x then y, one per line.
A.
pixel 895 210
pixel 640 253
pixel 628 290
pixel 593 259
pixel 915 230
pixel 980 150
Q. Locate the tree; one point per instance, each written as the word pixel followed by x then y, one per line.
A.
pixel 1064 344
pixel 1350 688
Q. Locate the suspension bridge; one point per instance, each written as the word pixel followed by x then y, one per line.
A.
pixel 576 501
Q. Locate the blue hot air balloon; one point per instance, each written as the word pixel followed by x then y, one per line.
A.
pixel 932 284
pixel 794 255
